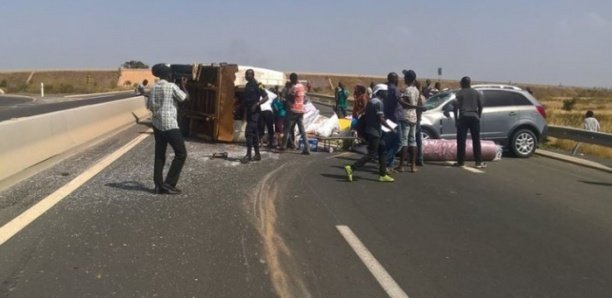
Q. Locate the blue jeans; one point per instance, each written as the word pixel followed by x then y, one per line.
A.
pixel 291 120
pixel 393 141
pixel 341 111
pixel 419 142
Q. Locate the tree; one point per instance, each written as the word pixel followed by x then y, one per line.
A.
pixel 134 64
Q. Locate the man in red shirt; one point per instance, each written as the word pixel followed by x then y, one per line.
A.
pixel 295 114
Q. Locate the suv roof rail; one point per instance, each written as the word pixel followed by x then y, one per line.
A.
pixel 499 86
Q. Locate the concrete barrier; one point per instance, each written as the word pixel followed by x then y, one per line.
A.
pixel 31 140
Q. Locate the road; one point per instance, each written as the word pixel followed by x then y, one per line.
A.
pixel 11 100
pixel 521 228
pixel 17 107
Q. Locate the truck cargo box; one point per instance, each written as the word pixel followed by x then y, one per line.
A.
pixel 214 93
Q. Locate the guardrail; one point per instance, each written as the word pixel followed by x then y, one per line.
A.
pixel 328 100
pixel 580 135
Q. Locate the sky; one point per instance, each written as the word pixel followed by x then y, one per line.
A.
pixel 527 41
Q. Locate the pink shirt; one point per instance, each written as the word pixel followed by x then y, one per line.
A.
pixel 298 91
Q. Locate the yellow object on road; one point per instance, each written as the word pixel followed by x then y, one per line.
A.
pixel 345 124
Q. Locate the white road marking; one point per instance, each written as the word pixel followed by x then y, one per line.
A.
pixel 381 275
pixel 473 170
pixel 24 219
pixel 469 169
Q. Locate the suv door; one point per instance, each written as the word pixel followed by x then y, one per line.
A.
pixel 498 115
pixel 448 130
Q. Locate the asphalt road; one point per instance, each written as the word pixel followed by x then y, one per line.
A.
pixel 522 228
pixel 10 100
pixel 13 107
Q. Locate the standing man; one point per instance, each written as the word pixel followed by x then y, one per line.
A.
pixel 419 133
pixel 163 102
pixel 395 112
pixel 409 102
pixel 295 114
pixel 361 100
pixel 427 90
pixel 374 120
pixel 254 95
pixel 469 105
pixel 140 89
pixel 341 98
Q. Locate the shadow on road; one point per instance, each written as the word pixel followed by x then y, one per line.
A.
pixel 131 186
pixel 596 183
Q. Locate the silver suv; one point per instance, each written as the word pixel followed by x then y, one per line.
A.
pixel 511 117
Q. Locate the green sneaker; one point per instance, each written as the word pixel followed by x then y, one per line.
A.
pixel 349 172
pixel 385 178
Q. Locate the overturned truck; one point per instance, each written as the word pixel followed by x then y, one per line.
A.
pixel 214 93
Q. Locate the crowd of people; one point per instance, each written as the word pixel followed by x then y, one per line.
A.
pixel 385 117
pixel 390 123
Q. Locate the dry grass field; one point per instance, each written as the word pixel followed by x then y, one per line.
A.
pixel 60 82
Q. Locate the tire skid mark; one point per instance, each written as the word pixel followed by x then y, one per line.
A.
pixel 283 271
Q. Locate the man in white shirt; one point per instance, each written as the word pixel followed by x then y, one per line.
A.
pixel 162 102
pixel 590 122
pixel 409 101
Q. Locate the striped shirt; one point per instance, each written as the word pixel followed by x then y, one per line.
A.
pixel 163 103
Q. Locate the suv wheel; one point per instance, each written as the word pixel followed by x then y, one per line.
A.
pixel 523 143
pixel 427 134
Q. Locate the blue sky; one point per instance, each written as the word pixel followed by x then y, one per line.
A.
pixel 553 42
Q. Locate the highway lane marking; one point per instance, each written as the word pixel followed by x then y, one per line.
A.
pixel 379 272
pixel 27 217
pixel 469 169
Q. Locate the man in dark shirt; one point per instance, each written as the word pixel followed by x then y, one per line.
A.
pixel 395 112
pixel 254 95
pixel 469 105
pixel 374 120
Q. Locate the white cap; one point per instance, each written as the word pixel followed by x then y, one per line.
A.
pixel 379 87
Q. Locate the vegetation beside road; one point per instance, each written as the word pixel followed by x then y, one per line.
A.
pixel 61 82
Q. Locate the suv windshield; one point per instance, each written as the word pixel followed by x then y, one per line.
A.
pixel 438 99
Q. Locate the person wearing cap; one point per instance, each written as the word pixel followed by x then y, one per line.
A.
pixel 374 119
pixel 254 96
pixel 395 113
pixel 409 101
pixel 162 102
pixel 469 106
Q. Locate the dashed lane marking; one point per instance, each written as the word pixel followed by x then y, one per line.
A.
pixel 469 169
pixel 379 272
pixel 24 219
